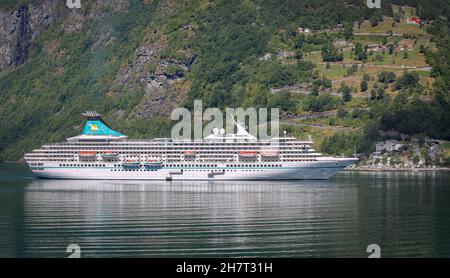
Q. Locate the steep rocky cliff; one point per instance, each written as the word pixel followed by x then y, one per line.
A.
pixel 20 27
pixel 106 54
pixel 161 77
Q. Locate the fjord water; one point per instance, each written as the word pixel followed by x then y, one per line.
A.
pixel 406 214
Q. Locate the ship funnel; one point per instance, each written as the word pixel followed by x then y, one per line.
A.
pixel 96 126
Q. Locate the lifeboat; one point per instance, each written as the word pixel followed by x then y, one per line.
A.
pixel 110 155
pixel 189 155
pixel 152 164
pixel 87 155
pixel 270 153
pixel 247 153
pixel 131 164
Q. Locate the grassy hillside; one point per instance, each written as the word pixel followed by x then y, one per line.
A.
pixel 70 72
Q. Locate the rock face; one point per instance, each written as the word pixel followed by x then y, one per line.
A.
pixel 19 28
pixel 23 36
pixel 160 76
pixel 76 18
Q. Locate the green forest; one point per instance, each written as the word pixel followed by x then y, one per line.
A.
pixel 40 103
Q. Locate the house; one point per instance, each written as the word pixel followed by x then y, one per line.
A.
pixel 377 47
pixel 266 57
pixel 434 147
pixel 341 43
pixel 388 146
pixel 414 21
pixel 303 30
pixel 283 54
pixel 187 27
pixel 405 45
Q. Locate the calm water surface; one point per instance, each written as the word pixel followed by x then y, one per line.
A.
pixel 406 214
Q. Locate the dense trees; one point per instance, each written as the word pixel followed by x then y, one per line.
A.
pixel 331 54
pixel 345 91
pixel 320 103
pixel 360 52
pixel 413 116
pixel 364 86
pixel 387 77
pixel 408 80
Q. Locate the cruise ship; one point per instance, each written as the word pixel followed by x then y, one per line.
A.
pixel 103 153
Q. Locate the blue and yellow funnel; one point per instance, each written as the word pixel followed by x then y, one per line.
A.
pixel 96 126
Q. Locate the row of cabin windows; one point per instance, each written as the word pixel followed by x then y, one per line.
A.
pixel 180 165
pixel 210 165
pixel 82 165
pixel 172 149
pixel 153 170
pixel 253 165
pixel 133 170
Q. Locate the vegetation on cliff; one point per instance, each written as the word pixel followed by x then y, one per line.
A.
pixel 70 71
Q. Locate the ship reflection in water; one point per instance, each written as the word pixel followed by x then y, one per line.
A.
pixel 406 214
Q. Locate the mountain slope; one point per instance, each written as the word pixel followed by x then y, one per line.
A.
pixel 134 61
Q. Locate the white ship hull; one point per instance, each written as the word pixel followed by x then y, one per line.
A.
pixel 286 171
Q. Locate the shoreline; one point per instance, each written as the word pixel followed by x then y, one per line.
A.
pixel 359 169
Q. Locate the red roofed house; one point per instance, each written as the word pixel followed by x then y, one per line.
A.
pixel 413 20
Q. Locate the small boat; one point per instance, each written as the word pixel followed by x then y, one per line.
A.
pixel 131 164
pixel 110 156
pixel 270 153
pixel 247 153
pixel 87 155
pixel 189 155
pixel 152 164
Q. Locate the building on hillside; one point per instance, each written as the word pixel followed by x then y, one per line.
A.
pixel 303 30
pixel 341 43
pixel 414 21
pixel 434 147
pixel 377 47
pixel 388 146
pixel 405 45
pixel 266 57
pixel 283 54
